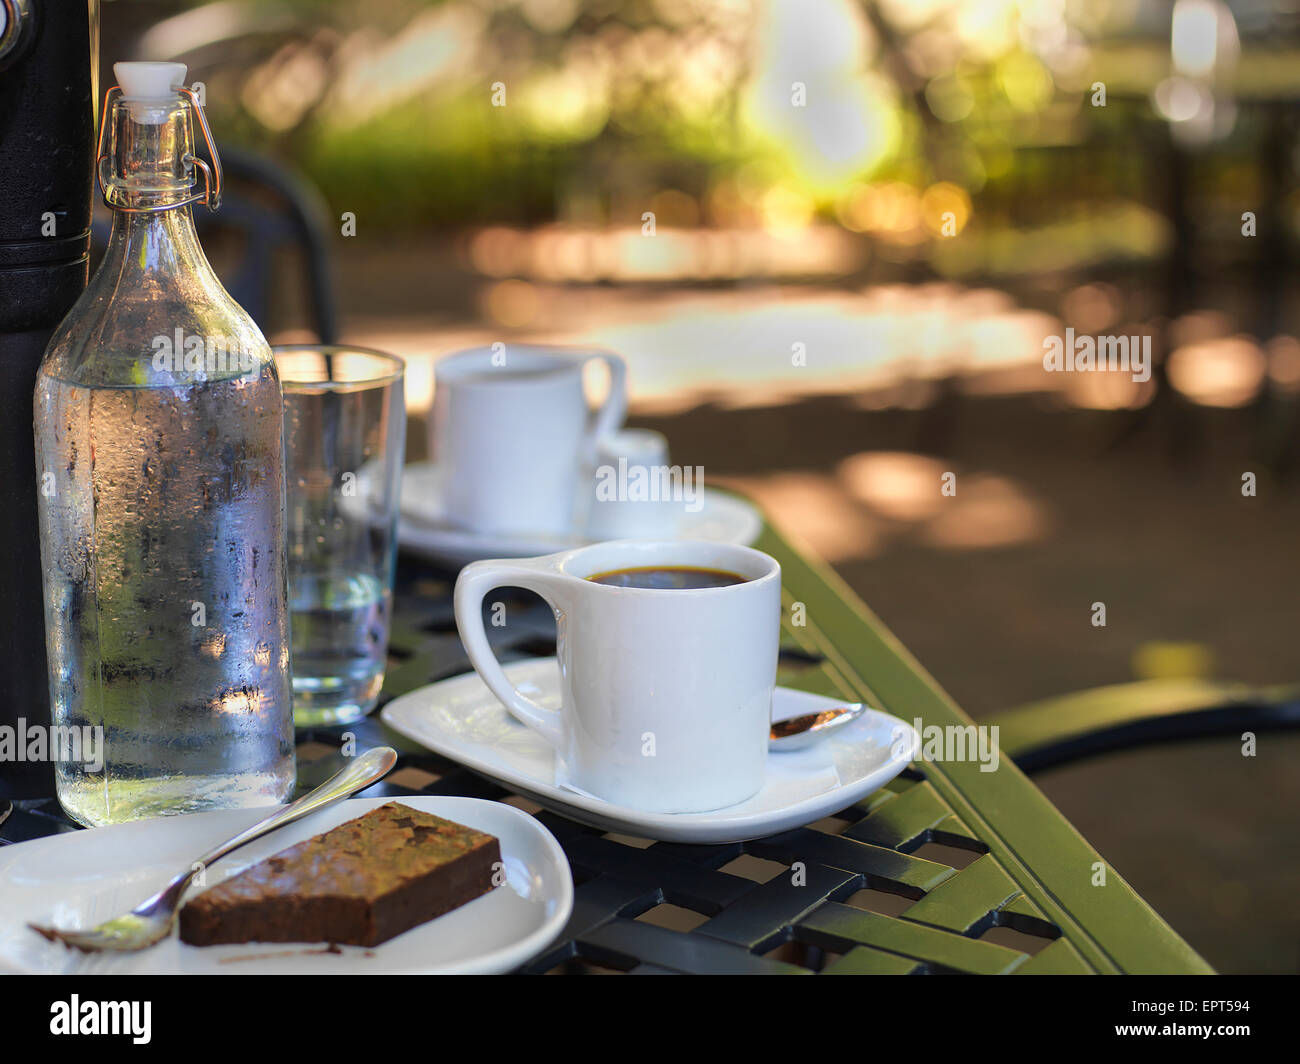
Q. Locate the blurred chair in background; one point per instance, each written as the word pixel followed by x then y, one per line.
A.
pixel 265 209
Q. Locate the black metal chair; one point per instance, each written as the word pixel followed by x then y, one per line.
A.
pixel 1067 728
pixel 266 207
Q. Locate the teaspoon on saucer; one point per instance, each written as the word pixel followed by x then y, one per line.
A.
pixel 798 733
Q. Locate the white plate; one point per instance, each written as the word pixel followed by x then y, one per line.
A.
pixel 78 879
pixel 461 719
pixel 424 529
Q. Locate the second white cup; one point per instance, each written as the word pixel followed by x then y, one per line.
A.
pixel 512 430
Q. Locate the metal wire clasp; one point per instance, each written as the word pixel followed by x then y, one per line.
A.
pixel 211 194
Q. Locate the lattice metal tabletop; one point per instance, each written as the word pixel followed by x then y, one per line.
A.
pixel 947 869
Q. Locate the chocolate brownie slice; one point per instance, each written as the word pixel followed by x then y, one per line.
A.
pixel 358 884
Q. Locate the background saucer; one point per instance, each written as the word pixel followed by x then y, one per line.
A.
pixel 425 529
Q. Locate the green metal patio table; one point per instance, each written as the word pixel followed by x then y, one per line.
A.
pixel 1033 872
pixel 1024 866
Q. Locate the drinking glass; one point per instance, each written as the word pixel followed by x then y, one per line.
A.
pixel 344 440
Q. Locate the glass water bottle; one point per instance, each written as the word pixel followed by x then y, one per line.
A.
pixel 161 487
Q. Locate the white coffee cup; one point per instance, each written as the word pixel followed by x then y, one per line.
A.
pixel 666 695
pixel 512 430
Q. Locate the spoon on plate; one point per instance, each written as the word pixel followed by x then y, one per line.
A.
pixel 151 921
pixel 798 733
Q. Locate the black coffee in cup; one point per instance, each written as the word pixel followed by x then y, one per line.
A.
pixel 665 578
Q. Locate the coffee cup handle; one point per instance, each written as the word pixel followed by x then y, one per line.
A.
pixel 472 586
pixel 609 416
